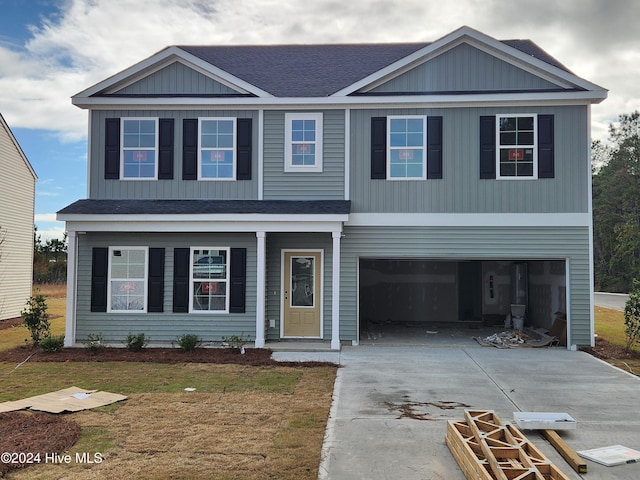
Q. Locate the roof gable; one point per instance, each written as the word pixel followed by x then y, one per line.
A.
pixel 14 145
pixel 277 73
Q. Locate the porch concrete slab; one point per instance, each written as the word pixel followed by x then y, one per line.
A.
pixel 391 406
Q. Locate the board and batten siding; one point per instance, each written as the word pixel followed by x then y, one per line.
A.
pixel 325 185
pixel 465 68
pixel 177 188
pixel 276 242
pixel 165 326
pixel 470 243
pixel 461 190
pixel 176 79
pixel 17 187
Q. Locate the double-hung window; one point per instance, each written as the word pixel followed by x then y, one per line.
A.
pixel 406 147
pixel 139 148
pixel 217 148
pixel 516 140
pixel 127 279
pixel 209 283
pixel 303 142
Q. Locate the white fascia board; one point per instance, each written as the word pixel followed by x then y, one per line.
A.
pixel 158 61
pixel 469 220
pixel 383 101
pixel 481 41
pixel 204 223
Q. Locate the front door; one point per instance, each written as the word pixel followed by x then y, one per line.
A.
pixel 301 294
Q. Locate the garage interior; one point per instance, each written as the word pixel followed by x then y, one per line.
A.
pixel 412 296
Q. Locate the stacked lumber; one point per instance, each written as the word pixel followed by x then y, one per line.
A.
pixel 487 449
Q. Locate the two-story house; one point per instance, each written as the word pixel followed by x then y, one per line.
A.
pixel 311 191
pixel 17 200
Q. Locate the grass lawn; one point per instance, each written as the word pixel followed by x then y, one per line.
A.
pixel 241 422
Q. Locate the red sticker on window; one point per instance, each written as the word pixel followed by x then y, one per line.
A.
pixel 128 287
pixel 303 149
pixel 209 287
pixel 516 154
pixel 217 156
pixel 140 156
pixel 406 154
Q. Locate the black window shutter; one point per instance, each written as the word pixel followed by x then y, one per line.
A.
pixel 112 149
pixel 155 294
pixel 545 146
pixel 165 153
pixel 378 148
pixel 238 273
pixel 243 149
pixel 488 147
pixel 181 280
pixel 99 270
pixel 434 147
pixel 190 149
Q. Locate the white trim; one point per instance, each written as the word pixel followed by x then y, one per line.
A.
pixel 162 59
pixel 347 153
pixel 261 154
pixel 568 295
pixel 110 280
pixel 515 99
pixel 320 270
pixel 72 289
pixel 89 140
pixel 227 281
pixel 289 117
pixel 155 149
pixel 335 291
pixel 500 147
pixel 234 122
pixel 592 327
pixel 390 118
pixel 261 288
pixel 469 220
pixel 204 223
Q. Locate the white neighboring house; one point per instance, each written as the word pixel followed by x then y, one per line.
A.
pixel 17 204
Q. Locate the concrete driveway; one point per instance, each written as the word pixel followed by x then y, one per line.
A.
pixel 391 405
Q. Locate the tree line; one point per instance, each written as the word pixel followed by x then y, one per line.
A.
pixel 616 206
pixel 49 259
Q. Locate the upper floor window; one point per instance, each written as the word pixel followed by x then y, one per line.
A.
pixel 303 142
pixel 407 140
pixel 127 279
pixel 139 148
pixel 217 149
pixel 517 145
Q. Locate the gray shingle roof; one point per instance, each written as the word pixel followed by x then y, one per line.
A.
pixel 319 70
pixel 191 207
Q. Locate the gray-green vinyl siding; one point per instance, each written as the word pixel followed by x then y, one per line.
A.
pixel 177 79
pixel 464 68
pixel 276 242
pixel 165 326
pixel 99 188
pixel 461 189
pixel 325 185
pixel 470 243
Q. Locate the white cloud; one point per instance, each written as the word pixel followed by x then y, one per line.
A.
pixel 93 39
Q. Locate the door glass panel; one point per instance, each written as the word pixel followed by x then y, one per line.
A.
pixel 302 281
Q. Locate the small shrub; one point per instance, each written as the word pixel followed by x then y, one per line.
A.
pixel 95 342
pixel 51 344
pixel 235 342
pixel 189 342
pixel 136 342
pixel 632 316
pixel 35 318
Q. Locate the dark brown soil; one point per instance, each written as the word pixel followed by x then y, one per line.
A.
pixel 607 351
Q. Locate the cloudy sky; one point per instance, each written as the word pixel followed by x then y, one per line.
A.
pixel 53 49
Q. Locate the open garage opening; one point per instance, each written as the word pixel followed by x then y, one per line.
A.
pixel 414 296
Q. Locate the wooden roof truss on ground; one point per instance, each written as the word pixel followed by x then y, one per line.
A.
pixel 487 449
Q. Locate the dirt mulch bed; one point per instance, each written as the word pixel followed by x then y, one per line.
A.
pixel 10 323
pixel 607 351
pixel 27 437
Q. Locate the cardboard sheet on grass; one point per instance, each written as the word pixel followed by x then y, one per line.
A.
pixel 72 399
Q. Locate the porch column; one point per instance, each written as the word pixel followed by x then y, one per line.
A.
pixel 72 259
pixel 335 292
pixel 261 270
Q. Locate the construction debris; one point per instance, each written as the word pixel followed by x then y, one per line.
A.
pixel 487 449
pixel 72 399
pixel 517 338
